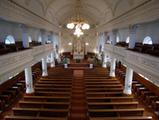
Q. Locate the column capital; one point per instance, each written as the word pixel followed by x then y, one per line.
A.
pixel 24 28
pixel 115 31
pixel 133 28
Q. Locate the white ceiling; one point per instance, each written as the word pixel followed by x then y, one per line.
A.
pixel 96 12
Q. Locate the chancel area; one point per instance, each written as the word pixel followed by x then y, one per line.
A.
pixel 79 59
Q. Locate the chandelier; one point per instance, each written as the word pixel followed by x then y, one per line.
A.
pixel 78 24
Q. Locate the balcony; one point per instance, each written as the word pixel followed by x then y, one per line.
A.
pixel 15 62
pixel 144 64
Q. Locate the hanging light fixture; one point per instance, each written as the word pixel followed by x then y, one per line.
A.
pixel 78 23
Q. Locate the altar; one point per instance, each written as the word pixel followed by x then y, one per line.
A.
pixel 78 55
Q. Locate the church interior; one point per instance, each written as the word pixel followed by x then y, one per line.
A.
pixel 79 59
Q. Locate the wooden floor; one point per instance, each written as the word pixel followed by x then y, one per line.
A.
pixel 78 100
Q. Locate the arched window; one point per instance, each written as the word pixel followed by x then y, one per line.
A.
pixel 9 40
pixel 117 39
pixel 147 40
pixel 30 39
pixel 127 39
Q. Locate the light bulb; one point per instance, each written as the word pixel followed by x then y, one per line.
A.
pixel 85 26
pixel 70 25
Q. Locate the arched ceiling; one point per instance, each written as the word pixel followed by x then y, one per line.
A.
pixel 96 12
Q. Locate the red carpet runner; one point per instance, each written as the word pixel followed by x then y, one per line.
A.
pixel 78 100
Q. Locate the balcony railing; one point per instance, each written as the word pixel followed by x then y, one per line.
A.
pixel 144 64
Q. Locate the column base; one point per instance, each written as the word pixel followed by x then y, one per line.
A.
pixel 29 91
pixel 65 65
pixel 112 74
pixel 44 74
pixel 104 66
pixel 91 66
pixel 127 92
pixel 52 65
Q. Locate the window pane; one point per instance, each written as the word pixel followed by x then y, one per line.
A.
pixel 147 40
pixel 9 40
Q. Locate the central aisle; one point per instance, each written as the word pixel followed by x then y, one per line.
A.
pixel 78 99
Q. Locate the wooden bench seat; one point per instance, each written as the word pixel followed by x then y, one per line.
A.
pixel 52 89
pixel 122 118
pixel 42 112
pixel 47 98
pixel 56 79
pixel 102 82
pixel 52 105
pixel 49 93
pixel 115 112
pixel 50 85
pixel 104 85
pixel 102 94
pixel 111 99
pixel 140 89
pixel 150 99
pixel 144 95
pixel 111 105
pixel 53 82
pixel 99 79
pixel 135 86
pixel 33 118
pixel 109 83
pixel 57 82
pixel 103 89
pixel 155 105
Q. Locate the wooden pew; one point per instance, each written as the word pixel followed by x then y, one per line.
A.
pixel 52 89
pixel 50 85
pixel 49 93
pixel 102 94
pixel 103 89
pixel 115 112
pixel 102 82
pixel 104 86
pixel 42 112
pixel 33 118
pixel 47 98
pixel 110 99
pixel 57 82
pixel 122 118
pixel 111 105
pixel 155 105
pixel 50 105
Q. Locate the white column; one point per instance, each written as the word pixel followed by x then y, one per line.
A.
pixel 113 37
pixel 52 63
pixel 105 61
pixel 25 39
pixel 43 37
pixel 29 80
pixel 128 81
pixel 44 67
pixel 91 66
pixel 132 32
pixel 65 65
pixel 112 67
